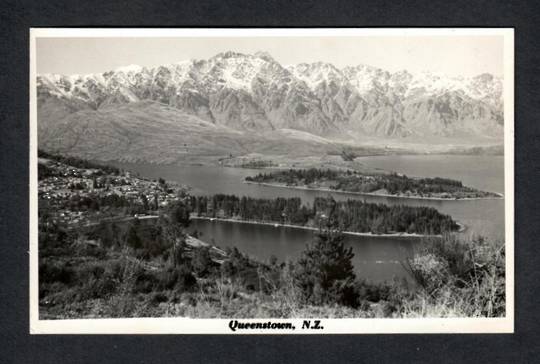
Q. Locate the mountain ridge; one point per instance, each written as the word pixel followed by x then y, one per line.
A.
pixel 253 93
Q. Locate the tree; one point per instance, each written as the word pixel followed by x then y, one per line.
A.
pixel 132 238
pixel 174 238
pixel 179 214
pixel 325 272
pixel 173 224
pixel 144 199
pixel 201 261
pixel 104 232
pixel 115 233
pixel 156 202
pixel 179 253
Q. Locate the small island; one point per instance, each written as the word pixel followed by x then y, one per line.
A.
pixel 380 184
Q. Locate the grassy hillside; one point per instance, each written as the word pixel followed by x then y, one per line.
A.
pixel 156 133
pixel 152 132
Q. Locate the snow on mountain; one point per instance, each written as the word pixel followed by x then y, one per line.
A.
pixel 315 73
pixel 256 93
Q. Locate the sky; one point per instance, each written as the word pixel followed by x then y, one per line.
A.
pixel 452 55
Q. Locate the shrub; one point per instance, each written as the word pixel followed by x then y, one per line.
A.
pixel 145 281
pixel 241 269
pixel 185 281
pixel 468 276
pixel 372 292
pixel 177 278
pixel 97 288
pixel 88 270
pixel 228 269
pixel 201 262
pixel 167 278
pixel 50 272
pixel 114 269
pixel 235 264
pixel 430 271
pixel 159 297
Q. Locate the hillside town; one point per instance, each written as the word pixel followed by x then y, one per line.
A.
pixel 75 196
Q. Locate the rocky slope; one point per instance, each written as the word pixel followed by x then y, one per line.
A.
pixel 241 103
pixel 256 93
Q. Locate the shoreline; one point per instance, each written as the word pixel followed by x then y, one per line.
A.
pixel 392 235
pixel 500 195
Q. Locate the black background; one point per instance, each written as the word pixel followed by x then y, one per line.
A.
pixel 17 346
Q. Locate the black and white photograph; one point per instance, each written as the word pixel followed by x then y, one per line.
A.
pixel 290 181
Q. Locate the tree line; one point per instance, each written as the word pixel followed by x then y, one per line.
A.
pixel 350 215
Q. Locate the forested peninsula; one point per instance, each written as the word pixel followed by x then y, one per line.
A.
pixel 392 184
pixel 350 216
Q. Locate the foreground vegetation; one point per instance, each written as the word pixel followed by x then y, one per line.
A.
pixel 377 184
pixel 351 215
pixel 152 268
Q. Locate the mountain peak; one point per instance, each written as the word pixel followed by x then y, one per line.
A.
pixel 229 54
pixel 264 56
pixel 254 92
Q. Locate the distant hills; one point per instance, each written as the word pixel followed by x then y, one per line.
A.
pixel 241 103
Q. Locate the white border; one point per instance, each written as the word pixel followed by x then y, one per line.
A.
pixel 331 326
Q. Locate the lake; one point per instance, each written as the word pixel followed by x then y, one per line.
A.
pixel 376 258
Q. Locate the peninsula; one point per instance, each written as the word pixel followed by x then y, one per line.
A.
pixel 351 216
pixel 380 184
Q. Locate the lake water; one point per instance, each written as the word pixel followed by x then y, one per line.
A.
pixel 376 258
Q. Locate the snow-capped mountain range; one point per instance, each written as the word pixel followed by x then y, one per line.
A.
pixel 254 93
